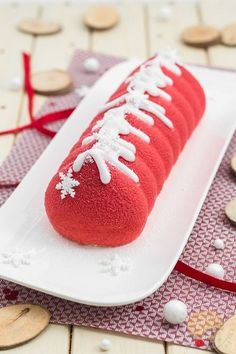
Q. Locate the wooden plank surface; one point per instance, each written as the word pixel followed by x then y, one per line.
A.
pixel 12 44
pixel 86 341
pixel 164 34
pixel 54 339
pixel 178 349
pixel 220 14
pixel 139 33
pixel 128 38
pixel 55 51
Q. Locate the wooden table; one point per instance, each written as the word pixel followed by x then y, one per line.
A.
pixel 139 33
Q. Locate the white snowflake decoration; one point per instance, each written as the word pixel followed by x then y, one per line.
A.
pixel 67 184
pixel 16 258
pixel 114 265
pixel 171 55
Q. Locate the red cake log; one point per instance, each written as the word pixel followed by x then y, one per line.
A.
pixel 106 187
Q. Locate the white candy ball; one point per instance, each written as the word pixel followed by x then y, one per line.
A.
pixel 175 311
pixel 165 13
pixel 105 344
pixel 216 270
pixel 219 244
pixel 15 84
pixel 91 65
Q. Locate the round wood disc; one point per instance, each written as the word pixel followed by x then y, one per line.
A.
pixel 20 323
pixel 201 36
pixel 51 82
pixel 225 338
pixel 230 211
pixel 38 27
pixel 228 35
pixel 101 17
pixel 233 163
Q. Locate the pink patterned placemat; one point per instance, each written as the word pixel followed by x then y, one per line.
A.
pixel 207 306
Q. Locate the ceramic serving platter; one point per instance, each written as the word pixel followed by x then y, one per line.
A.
pixel 115 276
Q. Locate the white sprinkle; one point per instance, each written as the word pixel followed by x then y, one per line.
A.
pixel 216 270
pixel 91 65
pixel 82 91
pixel 15 84
pixel 175 311
pixel 105 344
pixel 165 13
pixel 219 244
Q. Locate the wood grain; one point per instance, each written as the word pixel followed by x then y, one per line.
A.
pixel 168 33
pixel 54 340
pixel 219 14
pixel 225 338
pixel 87 341
pixel 127 38
pixel 178 349
pixel 11 47
pixel 21 323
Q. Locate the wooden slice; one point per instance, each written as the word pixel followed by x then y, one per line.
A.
pixel 201 36
pixel 233 163
pixel 225 338
pixel 21 323
pixel 51 82
pixel 101 17
pixel 230 211
pixel 38 27
pixel 228 35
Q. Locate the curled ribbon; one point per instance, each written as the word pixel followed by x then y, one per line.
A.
pixel 39 123
pixel 205 278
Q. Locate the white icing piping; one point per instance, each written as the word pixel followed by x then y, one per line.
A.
pixel 134 101
pixel 109 146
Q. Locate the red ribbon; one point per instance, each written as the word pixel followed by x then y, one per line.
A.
pixel 205 278
pixel 39 124
pixel 9 184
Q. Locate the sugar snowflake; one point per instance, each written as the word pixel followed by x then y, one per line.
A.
pixel 170 54
pixel 16 258
pixel 67 184
pixel 114 265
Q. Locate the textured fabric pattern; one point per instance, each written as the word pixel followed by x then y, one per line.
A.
pixel 206 305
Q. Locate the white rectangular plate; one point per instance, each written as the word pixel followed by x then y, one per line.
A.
pixel 62 268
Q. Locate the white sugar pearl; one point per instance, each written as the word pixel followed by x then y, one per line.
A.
pixel 216 270
pixel 82 91
pixel 91 65
pixel 15 84
pixel 105 344
pixel 175 311
pixel 219 244
pixel 165 13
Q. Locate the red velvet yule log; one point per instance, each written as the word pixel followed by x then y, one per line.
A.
pixel 106 187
